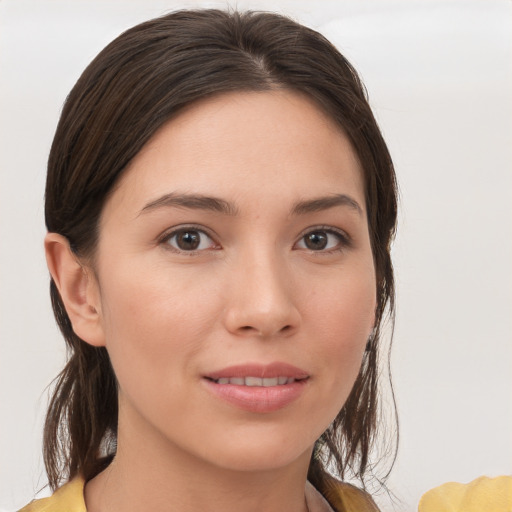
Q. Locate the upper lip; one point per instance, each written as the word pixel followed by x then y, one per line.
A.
pixel 271 370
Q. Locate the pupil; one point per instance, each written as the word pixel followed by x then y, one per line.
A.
pixel 316 240
pixel 188 240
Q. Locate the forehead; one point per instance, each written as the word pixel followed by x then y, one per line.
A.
pixel 276 142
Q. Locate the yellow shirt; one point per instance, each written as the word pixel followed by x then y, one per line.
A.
pixel 345 497
pixel 69 498
pixel 481 495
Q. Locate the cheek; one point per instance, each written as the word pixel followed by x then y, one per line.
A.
pixel 344 304
pixel 154 321
pixel 341 318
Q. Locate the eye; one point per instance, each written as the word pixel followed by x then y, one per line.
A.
pixel 189 239
pixel 323 240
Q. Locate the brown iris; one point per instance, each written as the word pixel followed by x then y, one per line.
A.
pixel 316 240
pixel 188 240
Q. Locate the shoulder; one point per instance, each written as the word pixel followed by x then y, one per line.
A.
pixel 345 497
pixel 68 498
pixel 482 493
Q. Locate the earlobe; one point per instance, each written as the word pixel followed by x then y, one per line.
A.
pixel 77 287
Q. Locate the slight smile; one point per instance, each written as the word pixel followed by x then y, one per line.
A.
pixel 256 381
pixel 258 388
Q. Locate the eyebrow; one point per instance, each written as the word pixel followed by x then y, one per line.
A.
pixel 215 204
pixel 192 201
pixel 324 203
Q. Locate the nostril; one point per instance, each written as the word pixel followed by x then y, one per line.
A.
pixel 250 328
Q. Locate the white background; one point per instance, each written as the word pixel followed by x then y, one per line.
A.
pixel 439 74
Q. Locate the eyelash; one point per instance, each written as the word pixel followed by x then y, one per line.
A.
pixel 166 237
pixel 344 241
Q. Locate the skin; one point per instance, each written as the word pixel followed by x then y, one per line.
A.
pixel 253 291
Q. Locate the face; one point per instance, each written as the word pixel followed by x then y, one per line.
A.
pixel 236 285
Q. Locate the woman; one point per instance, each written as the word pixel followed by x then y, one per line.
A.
pixel 220 205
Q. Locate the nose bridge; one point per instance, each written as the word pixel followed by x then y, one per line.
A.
pixel 262 300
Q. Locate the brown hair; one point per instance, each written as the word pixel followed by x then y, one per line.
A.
pixel 134 86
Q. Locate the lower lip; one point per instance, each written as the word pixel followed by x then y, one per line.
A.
pixel 258 398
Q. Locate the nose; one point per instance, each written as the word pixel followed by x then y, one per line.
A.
pixel 262 301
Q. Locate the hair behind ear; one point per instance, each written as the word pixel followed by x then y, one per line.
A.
pixel 81 422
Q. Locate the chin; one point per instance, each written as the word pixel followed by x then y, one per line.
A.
pixel 261 463
pixel 261 453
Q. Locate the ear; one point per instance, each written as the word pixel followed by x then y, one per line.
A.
pixel 78 289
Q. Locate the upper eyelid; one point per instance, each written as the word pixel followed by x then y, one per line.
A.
pixel 346 241
pixel 168 233
pixel 330 229
pixel 164 238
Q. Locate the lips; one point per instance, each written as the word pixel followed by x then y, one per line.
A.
pixel 275 370
pixel 258 388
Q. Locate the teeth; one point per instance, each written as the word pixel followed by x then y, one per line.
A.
pixel 253 381
pixel 256 381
